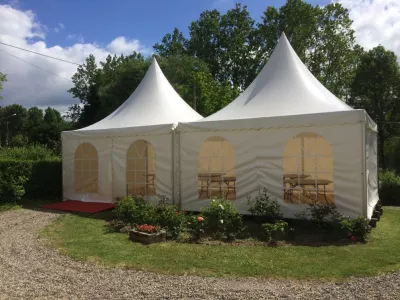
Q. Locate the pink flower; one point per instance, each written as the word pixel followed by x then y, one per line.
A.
pixel 200 219
pixel 177 212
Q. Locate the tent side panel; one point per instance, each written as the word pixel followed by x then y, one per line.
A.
pixel 330 154
pixel 204 155
pixel 162 145
pixel 102 167
pixel 371 144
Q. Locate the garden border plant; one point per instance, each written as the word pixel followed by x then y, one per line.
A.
pixel 220 220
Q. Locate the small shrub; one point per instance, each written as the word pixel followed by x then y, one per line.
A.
pixel 265 207
pixel 135 210
pixel 320 213
pixel 275 231
pixel 195 226
pixel 222 218
pixel 170 217
pixel 356 228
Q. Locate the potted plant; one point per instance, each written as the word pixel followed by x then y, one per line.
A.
pixel 147 234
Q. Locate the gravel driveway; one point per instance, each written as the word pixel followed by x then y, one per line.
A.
pixel 29 270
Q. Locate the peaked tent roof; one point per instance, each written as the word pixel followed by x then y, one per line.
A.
pixel 283 87
pixel 154 102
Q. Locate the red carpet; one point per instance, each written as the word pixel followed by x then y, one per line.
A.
pixel 79 206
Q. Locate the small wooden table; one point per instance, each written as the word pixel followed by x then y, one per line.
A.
pixel 311 182
pixel 206 179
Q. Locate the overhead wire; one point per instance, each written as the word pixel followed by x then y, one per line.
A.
pixel 52 57
pixel 35 65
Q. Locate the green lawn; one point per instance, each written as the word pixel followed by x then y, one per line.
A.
pixel 86 238
pixel 8 206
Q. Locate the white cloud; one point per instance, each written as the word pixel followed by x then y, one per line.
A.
pixel 31 86
pixel 59 27
pixel 121 45
pixel 376 22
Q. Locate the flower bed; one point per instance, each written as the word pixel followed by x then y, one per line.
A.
pixel 147 234
pixel 220 221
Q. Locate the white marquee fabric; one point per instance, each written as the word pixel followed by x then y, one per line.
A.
pixel 286 132
pixel 150 114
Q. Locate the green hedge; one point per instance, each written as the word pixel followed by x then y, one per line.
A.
pixel 389 191
pixel 31 179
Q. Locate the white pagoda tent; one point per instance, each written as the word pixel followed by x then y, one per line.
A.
pixel 132 151
pixel 287 133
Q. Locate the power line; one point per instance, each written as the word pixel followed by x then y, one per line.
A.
pixel 35 65
pixel 70 62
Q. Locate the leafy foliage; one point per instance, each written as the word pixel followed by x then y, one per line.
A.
pixel 376 88
pixel 274 231
pixel 389 187
pixel 265 207
pixel 357 228
pixel 29 178
pixel 221 218
pixel 135 210
pixel 195 226
pixel 170 217
pixel 3 78
pixel 320 213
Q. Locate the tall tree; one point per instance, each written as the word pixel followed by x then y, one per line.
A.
pixel 238 62
pixel 118 78
pixel 3 78
pixel 376 88
pixel 172 44
pixel 13 122
pixel 86 90
pixel 321 36
pixel 34 125
pixel 204 42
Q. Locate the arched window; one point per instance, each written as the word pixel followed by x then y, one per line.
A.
pixel 141 169
pixel 86 169
pixel 217 169
pixel 308 170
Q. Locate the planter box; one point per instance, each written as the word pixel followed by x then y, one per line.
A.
pixel 147 238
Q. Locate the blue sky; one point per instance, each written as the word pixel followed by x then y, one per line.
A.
pixel 101 21
pixel 72 29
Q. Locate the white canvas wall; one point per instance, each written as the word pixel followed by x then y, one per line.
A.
pixel 260 164
pixel 371 153
pixel 104 150
pixel 112 152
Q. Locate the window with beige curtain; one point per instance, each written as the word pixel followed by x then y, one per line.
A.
pixel 308 170
pixel 217 169
pixel 141 169
pixel 86 169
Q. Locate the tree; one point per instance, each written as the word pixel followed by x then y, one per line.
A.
pixel 118 78
pixel 3 79
pixel 13 122
pixel 86 90
pixel 227 44
pixel 180 71
pixel 172 44
pixel 238 61
pixel 376 88
pixel 34 125
pixel 321 36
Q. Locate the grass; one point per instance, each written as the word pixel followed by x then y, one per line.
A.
pixel 9 206
pixel 84 238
